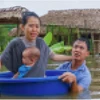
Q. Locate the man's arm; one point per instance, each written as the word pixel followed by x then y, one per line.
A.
pixel 58 57
pixel 76 88
pixel 71 78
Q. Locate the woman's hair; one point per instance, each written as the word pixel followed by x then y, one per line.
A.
pixel 26 15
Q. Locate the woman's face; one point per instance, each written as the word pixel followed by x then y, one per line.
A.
pixel 31 28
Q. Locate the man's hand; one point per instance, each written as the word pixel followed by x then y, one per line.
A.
pixel 68 77
pixel 71 78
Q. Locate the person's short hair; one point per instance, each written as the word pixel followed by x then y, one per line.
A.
pixel 27 14
pixel 86 41
pixel 33 52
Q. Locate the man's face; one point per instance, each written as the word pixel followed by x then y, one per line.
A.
pixel 79 50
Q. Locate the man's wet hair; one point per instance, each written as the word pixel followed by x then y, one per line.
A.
pixel 86 41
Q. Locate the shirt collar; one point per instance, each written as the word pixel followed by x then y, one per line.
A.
pixel 80 68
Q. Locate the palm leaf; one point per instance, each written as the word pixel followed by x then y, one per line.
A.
pixel 68 48
pixel 48 38
pixel 58 47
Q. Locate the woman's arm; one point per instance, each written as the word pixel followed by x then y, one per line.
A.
pixel 59 57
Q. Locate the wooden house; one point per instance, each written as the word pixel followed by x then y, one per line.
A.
pixel 86 21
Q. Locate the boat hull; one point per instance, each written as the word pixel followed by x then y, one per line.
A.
pixel 43 86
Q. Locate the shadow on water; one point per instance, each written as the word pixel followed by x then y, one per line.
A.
pixel 83 95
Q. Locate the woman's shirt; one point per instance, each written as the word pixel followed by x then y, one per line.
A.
pixel 12 57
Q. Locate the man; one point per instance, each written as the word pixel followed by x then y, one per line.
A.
pixel 77 72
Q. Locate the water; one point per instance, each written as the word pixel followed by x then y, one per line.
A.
pixel 95 72
pixel 93 64
pixel 92 93
pixel 83 95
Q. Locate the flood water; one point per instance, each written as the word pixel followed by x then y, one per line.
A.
pixel 93 92
pixel 93 64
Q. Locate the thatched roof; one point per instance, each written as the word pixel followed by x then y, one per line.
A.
pixel 16 32
pixel 11 15
pixel 81 18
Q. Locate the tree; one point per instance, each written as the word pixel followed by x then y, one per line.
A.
pixel 4 38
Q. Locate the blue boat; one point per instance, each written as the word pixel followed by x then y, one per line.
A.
pixel 42 86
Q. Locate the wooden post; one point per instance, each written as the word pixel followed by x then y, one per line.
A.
pixel 99 44
pixel 92 37
pixel 18 27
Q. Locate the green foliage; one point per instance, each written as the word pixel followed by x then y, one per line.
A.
pixel 4 38
pixel 3 69
pixel 68 48
pixel 54 40
pixel 78 33
pixel 48 38
pixel 50 28
pixel 8 26
pixel 58 47
pixel 65 30
pixel 91 46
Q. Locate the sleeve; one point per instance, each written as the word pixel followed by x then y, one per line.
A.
pixel 51 53
pixel 85 81
pixel 0 57
pixel 59 67
pixel 6 57
pixel 62 66
pixel 8 49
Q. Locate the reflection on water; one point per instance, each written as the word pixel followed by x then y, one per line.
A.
pixel 92 93
pixel 94 67
pixel 83 95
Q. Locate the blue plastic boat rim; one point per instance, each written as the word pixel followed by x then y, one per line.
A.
pixel 38 79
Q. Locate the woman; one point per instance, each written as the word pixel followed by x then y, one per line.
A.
pixel 12 55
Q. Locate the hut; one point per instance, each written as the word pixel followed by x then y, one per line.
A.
pixel 86 21
pixel 12 15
